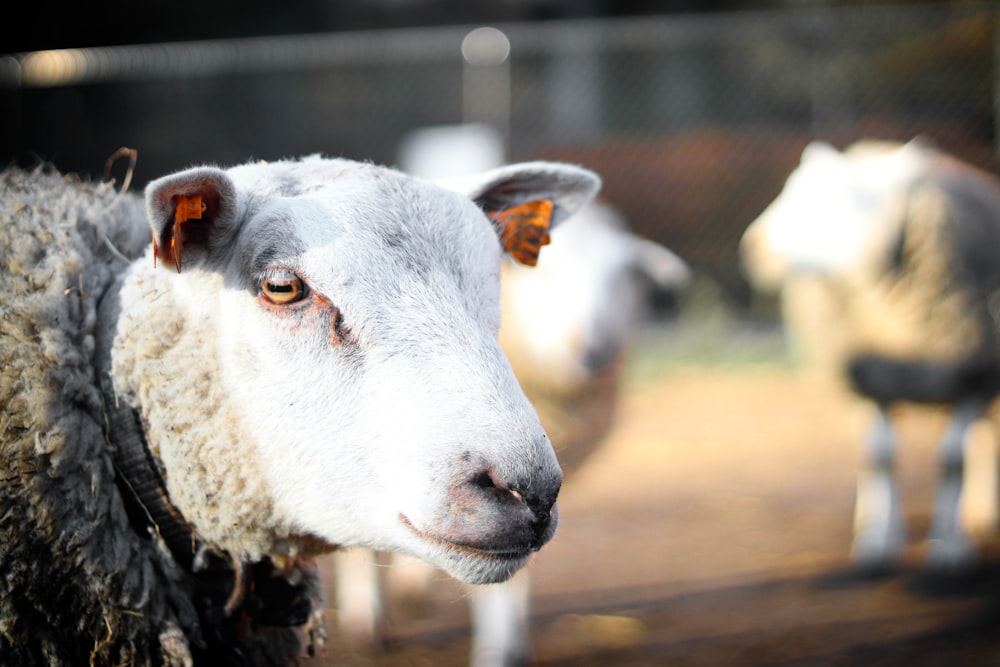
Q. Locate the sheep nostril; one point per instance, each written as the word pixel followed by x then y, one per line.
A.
pixel 486 479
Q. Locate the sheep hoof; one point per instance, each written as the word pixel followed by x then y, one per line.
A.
pixel 501 658
pixel 875 553
pixel 951 558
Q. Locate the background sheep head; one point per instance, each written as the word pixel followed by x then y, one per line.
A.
pixel 573 316
pixel 836 211
pixel 316 363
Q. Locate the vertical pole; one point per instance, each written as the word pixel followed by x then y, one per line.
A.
pixel 486 96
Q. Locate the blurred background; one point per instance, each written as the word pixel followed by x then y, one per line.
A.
pixel 693 117
pixel 703 531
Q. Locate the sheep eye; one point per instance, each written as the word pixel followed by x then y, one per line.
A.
pixel 282 288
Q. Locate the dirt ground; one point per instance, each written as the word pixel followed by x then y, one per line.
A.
pixel 712 529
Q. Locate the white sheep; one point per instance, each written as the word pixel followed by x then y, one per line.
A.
pixel 305 357
pixel 888 256
pixel 567 325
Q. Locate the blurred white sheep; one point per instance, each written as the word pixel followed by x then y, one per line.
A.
pixel 888 258
pixel 567 324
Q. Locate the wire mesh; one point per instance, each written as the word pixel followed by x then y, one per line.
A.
pixel 693 121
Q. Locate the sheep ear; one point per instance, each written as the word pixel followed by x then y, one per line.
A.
pixel 819 150
pixel 525 201
pixel 918 146
pixel 664 268
pixel 191 212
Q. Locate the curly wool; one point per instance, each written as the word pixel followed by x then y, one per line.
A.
pixel 72 564
pixel 80 586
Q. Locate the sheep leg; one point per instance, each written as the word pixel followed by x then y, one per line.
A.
pixel 879 531
pixel 949 549
pixel 980 498
pixel 500 623
pixel 360 605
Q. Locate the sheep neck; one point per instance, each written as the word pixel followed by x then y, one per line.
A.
pixel 143 489
pixel 220 577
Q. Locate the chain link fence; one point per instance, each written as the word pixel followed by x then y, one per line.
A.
pixel 693 121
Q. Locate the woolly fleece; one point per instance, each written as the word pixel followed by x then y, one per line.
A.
pixel 80 586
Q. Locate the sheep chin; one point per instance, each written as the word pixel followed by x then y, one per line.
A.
pixel 470 564
pixel 479 568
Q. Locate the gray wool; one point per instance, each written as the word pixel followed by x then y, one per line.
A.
pixel 79 584
pixel 912 313
pixel 920 322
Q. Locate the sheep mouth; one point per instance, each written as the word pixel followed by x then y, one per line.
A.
pixel 509 554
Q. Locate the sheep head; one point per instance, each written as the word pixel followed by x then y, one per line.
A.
pixel 570 318
pixel 836 211
pixel 315 359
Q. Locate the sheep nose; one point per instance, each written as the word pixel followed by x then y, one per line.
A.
pixel 601 355
pixel 539 497
pixel 501 509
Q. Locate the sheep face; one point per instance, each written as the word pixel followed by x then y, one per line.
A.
pixel 833 212
pixel 571 317
pixel 346 386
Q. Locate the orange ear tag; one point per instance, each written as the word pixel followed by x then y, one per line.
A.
pixel 187 208
pixel 524 229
